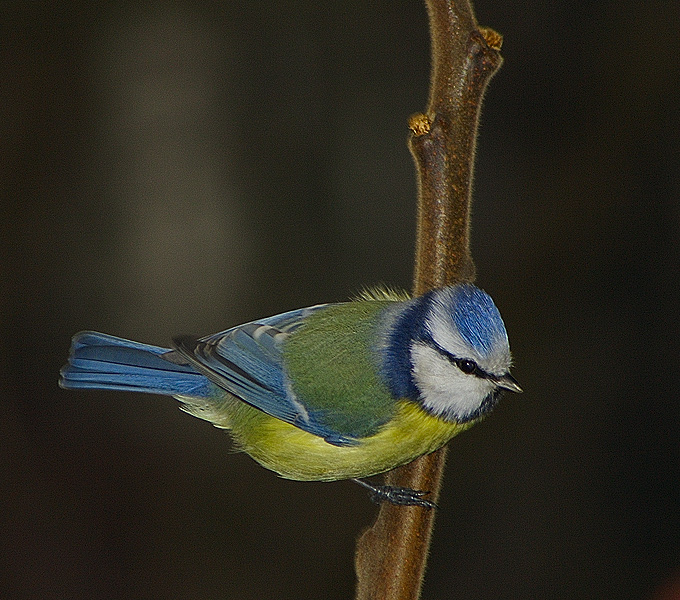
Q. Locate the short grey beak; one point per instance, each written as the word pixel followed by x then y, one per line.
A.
pixel 508 382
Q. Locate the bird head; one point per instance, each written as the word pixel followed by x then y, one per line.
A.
pixel 458 353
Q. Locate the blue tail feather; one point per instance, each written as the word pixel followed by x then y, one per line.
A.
pixel 100 361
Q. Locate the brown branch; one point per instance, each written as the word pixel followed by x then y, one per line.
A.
pixel 392 554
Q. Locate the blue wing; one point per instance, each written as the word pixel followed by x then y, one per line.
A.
pixel 246 361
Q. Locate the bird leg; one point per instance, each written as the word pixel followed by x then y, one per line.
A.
pixel 400 496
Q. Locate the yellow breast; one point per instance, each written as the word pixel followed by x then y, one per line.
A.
pixel 296 454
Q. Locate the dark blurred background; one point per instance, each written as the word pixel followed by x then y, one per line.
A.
pixel 184 167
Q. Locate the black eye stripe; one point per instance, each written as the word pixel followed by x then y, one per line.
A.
pixel 466 365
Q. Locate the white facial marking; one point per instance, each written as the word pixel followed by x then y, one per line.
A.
pixel 440 326
pixel 444 388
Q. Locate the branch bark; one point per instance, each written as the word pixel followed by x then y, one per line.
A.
pixel 392 554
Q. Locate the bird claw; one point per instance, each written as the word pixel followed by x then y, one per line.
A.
pixel 399 496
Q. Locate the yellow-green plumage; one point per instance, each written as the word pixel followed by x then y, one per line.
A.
pixel 296 454
pixel 344 387
pixel 334 369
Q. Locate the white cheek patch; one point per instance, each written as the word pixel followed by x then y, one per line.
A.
pixel 444 388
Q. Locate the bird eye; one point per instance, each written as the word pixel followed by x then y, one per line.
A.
pixel 467 366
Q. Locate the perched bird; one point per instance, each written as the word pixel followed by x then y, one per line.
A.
pixel 330 392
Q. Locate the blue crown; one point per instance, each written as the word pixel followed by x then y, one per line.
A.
pixel 476 318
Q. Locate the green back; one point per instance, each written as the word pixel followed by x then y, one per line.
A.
pixel 333 364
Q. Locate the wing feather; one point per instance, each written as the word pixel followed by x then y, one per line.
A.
pixel 247 362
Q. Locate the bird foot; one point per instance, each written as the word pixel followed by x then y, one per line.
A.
pixel 400 496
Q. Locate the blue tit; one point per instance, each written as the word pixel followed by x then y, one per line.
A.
pixel 330 392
